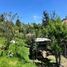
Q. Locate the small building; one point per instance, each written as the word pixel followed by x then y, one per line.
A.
pixel 38 48
pixel 42 43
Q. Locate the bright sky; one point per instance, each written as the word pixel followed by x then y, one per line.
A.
pixel 31 10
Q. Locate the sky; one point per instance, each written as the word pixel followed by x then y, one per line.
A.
pixel 31 11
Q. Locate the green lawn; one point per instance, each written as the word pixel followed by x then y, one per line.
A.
pixel 14 62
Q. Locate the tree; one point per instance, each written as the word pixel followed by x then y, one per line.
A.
pixel 2 18
pixel 53 16
pixel 7 28
pixel 56 31
pixel 45 19
pixel 18 23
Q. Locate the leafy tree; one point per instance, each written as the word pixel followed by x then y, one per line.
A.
pixel 2 18
pixel 18 23
pixel 7 29
pixel 45 19
pixel 56 31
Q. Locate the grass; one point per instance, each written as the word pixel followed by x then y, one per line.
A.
pixel 14 62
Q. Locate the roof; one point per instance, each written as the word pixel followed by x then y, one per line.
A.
pixel 42 39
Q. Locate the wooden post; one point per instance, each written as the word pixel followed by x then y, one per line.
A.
pixel 65 50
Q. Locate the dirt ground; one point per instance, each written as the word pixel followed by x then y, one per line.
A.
pixel 63 60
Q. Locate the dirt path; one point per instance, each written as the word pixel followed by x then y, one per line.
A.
pixel 63 60
pixel 65 64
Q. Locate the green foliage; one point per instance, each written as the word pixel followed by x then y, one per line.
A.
pixel 56 30
pixel 2 40
pixel 55 46
pixel 51 27
pixel 16 56
pixel 23 52
pixel 13 54
pixel 13 62
pixel 20 50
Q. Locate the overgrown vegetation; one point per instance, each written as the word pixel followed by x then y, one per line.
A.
pixel 15 39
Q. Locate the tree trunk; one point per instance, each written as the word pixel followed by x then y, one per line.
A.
pixel 59 58
pixel 65 50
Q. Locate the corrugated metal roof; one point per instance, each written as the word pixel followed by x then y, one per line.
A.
pixel 42 39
